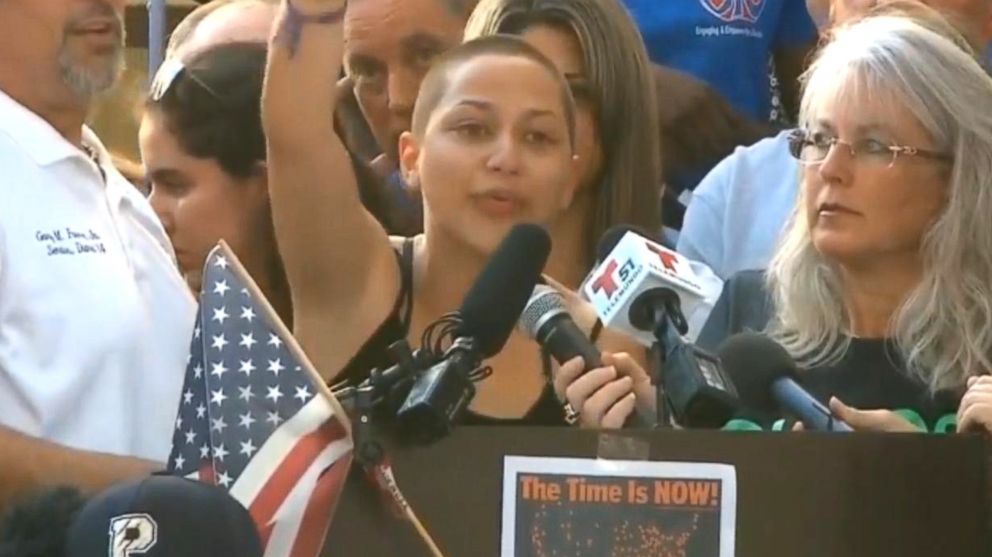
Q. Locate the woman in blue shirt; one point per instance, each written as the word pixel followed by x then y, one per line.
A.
pixel 728 43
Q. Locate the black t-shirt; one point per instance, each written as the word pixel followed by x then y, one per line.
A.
pixel 870 375
pixel 375 353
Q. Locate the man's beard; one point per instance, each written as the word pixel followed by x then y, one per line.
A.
pixel 87 81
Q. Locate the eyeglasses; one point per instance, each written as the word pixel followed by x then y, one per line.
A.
pixel 813 147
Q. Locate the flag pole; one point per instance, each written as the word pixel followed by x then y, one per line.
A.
pixel 424 534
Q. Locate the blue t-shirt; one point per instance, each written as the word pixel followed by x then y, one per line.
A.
pixel 738 212
pixel 726 43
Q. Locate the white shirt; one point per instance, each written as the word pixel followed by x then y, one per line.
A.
pixel 739 210
pixel 95 321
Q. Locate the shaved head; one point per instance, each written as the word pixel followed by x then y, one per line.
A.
pixel 436 82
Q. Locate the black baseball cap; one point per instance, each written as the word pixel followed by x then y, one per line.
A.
pixel 163 516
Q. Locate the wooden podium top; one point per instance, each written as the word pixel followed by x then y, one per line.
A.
pixel 850 495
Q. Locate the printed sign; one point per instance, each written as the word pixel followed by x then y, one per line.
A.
pixel 592 507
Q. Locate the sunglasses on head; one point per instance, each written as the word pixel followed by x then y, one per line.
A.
pixel 169 74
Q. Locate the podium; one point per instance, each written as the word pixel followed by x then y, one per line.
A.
pixel 798 494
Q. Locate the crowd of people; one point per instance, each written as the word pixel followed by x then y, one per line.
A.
pixel 826 166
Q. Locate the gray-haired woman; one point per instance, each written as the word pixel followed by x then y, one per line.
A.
pixel 881 287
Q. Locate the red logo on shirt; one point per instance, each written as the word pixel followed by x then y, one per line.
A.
pixel 735 10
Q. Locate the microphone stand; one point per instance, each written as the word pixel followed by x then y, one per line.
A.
pixel 663 415
pixel 379 387
pixel 659 311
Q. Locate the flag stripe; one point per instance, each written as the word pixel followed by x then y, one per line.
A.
pixel 279 483
pixel 317 517
pixel 280 444
pixel 287 519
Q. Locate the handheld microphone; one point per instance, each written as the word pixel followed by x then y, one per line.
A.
pixel 766 377
pixel 641 288
pixel 546 320
pixel 480 327
pixel 637 280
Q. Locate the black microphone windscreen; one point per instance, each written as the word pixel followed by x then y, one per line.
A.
pixel 753 362
pixel 492 306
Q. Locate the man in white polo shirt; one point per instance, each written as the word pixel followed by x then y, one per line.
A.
pixel 95 321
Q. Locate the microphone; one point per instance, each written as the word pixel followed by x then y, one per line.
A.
pixel 546 320
pixel 697 403
pixel 633 269
pixel 640 288
pixel 699 392
pixel 766 377
pixel 480 328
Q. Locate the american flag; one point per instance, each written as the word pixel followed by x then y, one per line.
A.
pixel 191 452
pixel 255 418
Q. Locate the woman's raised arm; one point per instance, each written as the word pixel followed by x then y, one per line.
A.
pixel 341 269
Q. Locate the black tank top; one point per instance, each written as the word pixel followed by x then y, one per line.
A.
pixel 374 354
